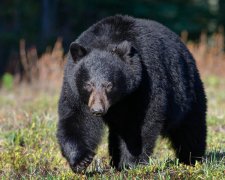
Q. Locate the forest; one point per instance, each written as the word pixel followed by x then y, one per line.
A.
pixel 40 23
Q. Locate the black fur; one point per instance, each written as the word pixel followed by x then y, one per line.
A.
pixel 156 90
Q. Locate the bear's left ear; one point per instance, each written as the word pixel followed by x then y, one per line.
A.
pixel 125 50
pixel 77 51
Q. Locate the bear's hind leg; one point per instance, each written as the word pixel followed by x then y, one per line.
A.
pixel 189 138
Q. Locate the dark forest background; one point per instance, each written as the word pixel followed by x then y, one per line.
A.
pixel 41 22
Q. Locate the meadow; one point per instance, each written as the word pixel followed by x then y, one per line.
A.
pixel 28 119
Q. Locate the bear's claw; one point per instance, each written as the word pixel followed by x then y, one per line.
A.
pixel 82 165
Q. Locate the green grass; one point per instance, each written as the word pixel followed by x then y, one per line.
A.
pixel 29 150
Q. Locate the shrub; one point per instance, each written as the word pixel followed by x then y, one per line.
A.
pixel 7 81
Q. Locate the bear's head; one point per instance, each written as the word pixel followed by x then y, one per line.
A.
pixel 104 77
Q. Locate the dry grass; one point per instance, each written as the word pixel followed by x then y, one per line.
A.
pixel 48 69
pixel 43 71
pixel 209 53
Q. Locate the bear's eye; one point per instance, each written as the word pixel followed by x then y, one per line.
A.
pixel 108 86
pixel 88 86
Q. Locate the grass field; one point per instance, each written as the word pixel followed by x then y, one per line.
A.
pixel 29 150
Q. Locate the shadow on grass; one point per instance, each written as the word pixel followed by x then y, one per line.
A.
pixel 94 173
pixel 215 156
pixel 108 170
pixel 212 156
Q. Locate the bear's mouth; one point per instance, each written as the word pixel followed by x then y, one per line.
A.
pixel 98 114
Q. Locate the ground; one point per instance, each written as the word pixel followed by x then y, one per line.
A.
pixel 28 146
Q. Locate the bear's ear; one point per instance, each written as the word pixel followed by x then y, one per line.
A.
pixel 125 50
pixel 77 51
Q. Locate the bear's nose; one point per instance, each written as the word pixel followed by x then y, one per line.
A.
pixel 97 111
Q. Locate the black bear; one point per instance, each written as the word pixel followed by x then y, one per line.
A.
pixel 138 78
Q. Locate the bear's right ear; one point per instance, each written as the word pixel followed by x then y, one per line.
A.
pixel 126 51
pixel 77 51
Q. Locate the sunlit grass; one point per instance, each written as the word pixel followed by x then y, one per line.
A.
pixel 29 149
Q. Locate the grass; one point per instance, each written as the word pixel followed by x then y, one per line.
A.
pixel 29 150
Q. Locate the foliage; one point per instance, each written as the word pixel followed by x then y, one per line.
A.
pixel 41 22
pixel 7 81
pixel 29 149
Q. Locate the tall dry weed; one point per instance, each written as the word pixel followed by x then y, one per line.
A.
pixel 209 53
pixel 48 69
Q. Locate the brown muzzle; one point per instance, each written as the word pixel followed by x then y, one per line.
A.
pixel 98 103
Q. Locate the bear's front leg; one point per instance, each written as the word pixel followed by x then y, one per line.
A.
pixel 78 137
pixel 152 126
pixel 125 150
pixel 127 159
pixel 78 156
pixel 138 142
pixel 136 148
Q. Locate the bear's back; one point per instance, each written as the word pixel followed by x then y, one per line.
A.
pixel 111 30
pixel 115 29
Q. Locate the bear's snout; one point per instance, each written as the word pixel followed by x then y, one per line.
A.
pixel 98 103
pixel 97 111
